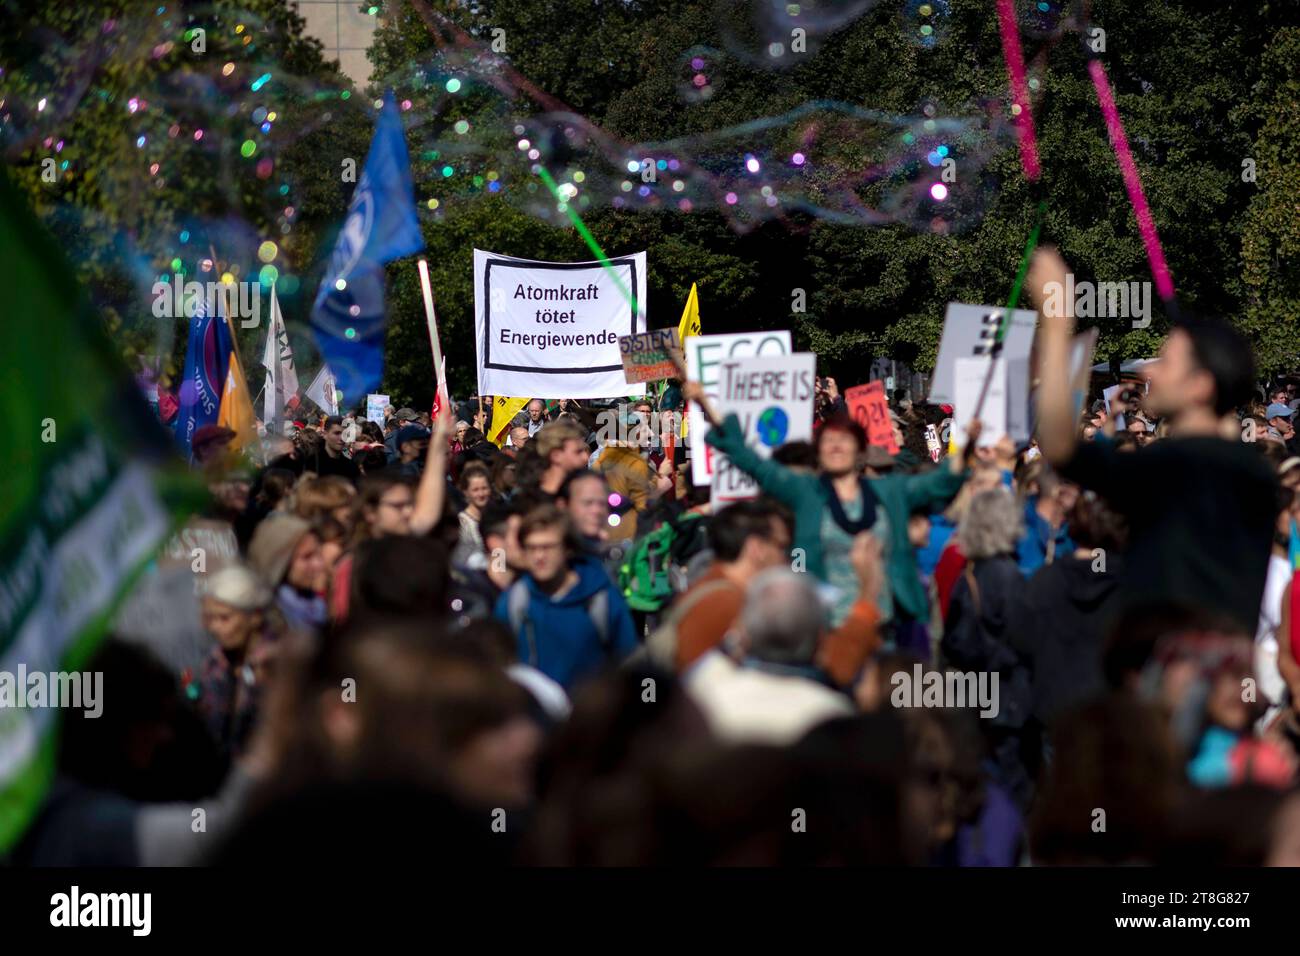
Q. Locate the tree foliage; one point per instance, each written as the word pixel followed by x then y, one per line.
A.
pixel 1201 89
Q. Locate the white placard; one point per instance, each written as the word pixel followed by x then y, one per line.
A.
pixel 968 381
pixel 773 398
pixel 968 332
pixel 551 329
pixel 704 357
pixel 375 405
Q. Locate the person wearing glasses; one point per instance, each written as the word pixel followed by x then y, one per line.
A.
pixel 568 618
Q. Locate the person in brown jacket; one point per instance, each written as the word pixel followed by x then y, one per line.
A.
pixel 748 537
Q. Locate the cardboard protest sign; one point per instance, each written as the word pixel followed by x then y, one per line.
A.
pixel 375 405
pixel 704 357
pixel 773 398
pixel 870 409
pixel 969 332
pixel 649 356
pixel 552 328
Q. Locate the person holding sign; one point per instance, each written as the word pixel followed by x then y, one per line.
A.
pixel 835 505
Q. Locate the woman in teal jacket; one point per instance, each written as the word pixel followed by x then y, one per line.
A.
pixel 830 508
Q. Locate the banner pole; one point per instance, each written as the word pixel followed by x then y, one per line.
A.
pixel 431 317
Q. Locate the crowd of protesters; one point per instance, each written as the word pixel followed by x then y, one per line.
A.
pixel 551 649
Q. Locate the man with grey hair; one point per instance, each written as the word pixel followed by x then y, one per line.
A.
pixel 770 690
pixel 536 416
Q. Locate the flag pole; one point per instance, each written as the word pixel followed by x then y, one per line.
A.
pixel 431 317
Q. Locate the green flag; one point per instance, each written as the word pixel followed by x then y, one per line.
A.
pixel 82 505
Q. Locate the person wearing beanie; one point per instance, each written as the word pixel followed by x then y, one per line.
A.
pixel 235 611
pixel 287 555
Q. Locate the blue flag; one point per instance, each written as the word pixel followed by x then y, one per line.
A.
pixel 348 315
pixel 207 357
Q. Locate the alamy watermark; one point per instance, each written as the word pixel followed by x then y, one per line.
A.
pixel 932 688
pixel 1100 300
pixel 66 690
pixel 174 298
pixel 133 911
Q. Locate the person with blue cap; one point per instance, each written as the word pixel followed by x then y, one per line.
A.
pixel 1280 425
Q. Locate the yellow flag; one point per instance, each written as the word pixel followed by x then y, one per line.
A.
pixel 690 323
pixel 504 409
pixel 688 326
pixel 237 408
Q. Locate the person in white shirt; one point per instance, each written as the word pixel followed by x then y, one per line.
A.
pixel 771 692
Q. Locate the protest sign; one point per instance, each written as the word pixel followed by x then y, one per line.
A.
pixel 870 409
pixel 1081 349
pixel 375 405
pixel 650 356
pixel 773 398
pixel 704 357
pixel 969 375
pixel 1109 395
pixel 969 332
pixel 552 328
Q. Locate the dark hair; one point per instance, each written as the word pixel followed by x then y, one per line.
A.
pixel 496 516
pixel 1274 451
pixel 737 523
pixel 471 437
pixel 549 516
pixel 500 465
pixel 475 469
pixel 276 483
pixel 1223 352
pixel 1094 525
pixel 1140 627
pixel 333 420
pixel 105 754
pixel 372 488
pixel 573 477
pixel 372 461
pixel 400 578
pixel 843 423
pixel 329 529
pixel 800 454
pixel 1112 752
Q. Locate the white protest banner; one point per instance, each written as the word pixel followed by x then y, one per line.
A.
pixel 969 332
pixel 552 328
pixel 704 357
pixel 968 381
pixel 375 405
pixel 773 398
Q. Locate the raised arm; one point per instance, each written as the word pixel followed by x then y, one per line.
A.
pixel 726 436
pixel 432 492
pixel 1056 424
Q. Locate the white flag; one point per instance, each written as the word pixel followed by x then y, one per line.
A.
pixel 323 392
pixel 277 359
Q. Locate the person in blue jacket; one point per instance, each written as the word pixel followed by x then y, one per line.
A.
pixel 568 618
pixel 1047 533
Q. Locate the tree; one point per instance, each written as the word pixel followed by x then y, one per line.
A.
pixel 175 131
pixel 1182 77
pixel 1271 233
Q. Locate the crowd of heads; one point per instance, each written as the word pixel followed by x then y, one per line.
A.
pixel 555 641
